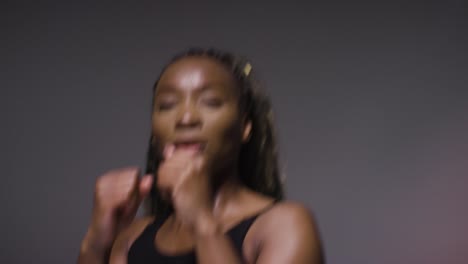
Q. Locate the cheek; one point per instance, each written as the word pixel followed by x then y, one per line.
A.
pixel 161 128
pixel 225 138
pixel 224 127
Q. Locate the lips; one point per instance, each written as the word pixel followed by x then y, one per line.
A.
pixel 190 145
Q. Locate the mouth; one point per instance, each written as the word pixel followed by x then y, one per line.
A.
pixel 192 146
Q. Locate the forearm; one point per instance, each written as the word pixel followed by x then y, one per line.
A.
pixel 87 257
pixel 91 253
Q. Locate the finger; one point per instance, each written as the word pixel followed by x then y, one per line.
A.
pixel 130 210
pixel 144 187
pixel 146 183
pixel 133 200
pixel 168 151
pixel 181 157
pixel 199 163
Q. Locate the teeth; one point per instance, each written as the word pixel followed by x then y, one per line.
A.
pixel 196 146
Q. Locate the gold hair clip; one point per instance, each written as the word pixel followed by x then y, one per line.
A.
pixel 247 69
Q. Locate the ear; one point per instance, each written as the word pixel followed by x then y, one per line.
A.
pixel 247 129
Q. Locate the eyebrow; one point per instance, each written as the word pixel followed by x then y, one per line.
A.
pixel 208 86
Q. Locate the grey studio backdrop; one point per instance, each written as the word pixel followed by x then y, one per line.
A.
pixel 370 102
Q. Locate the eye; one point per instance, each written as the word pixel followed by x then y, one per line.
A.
pixel 213 102
pixel 165 105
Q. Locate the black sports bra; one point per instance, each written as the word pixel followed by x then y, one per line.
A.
pixel 143 250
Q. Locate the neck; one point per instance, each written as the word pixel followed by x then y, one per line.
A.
pixel 225 193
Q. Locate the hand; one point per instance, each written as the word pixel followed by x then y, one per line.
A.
pixel 117 197
pixel 183 178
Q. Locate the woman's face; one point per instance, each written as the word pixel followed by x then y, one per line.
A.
pixel 196 107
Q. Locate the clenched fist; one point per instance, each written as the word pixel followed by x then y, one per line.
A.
pixel 184 179
pixel 117 197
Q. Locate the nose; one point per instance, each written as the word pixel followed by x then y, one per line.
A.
pixel 188 117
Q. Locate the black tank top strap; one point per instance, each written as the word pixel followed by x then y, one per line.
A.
pixel 239 231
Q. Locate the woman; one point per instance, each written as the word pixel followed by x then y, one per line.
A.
pixel 212 178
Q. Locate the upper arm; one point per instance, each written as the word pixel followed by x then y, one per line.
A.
pixel 290 235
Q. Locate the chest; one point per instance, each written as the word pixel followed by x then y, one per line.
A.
pixel 168 244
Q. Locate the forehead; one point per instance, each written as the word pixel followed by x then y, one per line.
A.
pixel 196 71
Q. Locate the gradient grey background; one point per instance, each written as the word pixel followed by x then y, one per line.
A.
pixel 370 99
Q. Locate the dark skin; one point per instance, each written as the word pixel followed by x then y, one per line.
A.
pixel 200 128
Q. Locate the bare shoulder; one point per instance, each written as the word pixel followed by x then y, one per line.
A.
pixel 291 212
pixel 288 233
pixel 288 216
